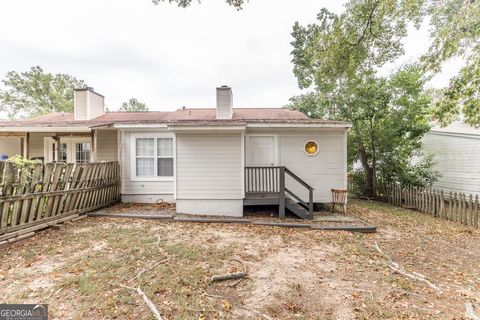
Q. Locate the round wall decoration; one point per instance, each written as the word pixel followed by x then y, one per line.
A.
pixel 311 148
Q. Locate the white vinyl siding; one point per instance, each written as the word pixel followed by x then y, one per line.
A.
pixel 158 189
pixel 457 159
pixel 209 166
pixel 106 147
pixel 10 146
pixel 80 98
pixel 224 103
pixel 323 171
pixel 36 144
pixel 95 105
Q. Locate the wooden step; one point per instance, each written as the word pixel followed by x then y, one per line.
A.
pixel 259 199
pixel 297 209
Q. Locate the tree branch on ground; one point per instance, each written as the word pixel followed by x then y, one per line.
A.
pixel 148 302
pixel 401 270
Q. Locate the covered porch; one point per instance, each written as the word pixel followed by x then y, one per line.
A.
pixel 80 145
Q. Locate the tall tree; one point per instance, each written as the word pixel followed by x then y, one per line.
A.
pixel 133 105
pixel 455 31
pixel 336 60
pixel 36 92
pixel 390 115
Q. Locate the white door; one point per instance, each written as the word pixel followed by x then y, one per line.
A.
pixel 72 150
pixel 261 151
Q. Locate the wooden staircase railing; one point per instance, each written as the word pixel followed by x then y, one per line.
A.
pixel 271 180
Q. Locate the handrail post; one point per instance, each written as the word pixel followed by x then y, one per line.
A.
pixel 281 206
pixel 310 202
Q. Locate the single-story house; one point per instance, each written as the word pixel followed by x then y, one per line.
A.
pixel 456 155
pixel 208 161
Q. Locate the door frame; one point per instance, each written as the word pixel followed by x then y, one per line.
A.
pixel 276 150
pixel 71 150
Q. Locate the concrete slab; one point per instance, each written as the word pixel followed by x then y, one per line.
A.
pixel 211 220
pixel 281 224
pixel 131 215
pixel 335 218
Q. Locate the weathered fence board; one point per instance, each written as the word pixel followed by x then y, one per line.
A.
pixel 457 207
pixel 53 192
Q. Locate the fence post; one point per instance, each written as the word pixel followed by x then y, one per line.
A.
pixel 476 218
pixel 281 206
pixel 442 205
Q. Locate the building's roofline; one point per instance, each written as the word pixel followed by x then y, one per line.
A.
pixel 261 117
pixel 46 129
pixel 456 128
pixel 89 89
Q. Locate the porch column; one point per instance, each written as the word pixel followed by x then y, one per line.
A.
pixel 22 147
pixel 57 147
pixel 93 148
pixel 27 146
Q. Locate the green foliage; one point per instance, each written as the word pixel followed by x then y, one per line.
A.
pixel 456 33
pixel 133 105
pixel 337 58
pixel 238 4
pixel 25 168
pixel 366 35
pixel 390 116
pixel 462 96
pixel 36 92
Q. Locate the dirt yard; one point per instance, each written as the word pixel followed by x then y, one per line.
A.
pixel 293 273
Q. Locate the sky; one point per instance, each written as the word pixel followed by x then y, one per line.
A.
pixel 167 56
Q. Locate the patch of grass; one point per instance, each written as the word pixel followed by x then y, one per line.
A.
pixel 402 283
pixel 183 251
pixel 176 286
pixel 383 207
pixel 30 255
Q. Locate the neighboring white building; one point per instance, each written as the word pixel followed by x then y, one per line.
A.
pixel 207 161
pixel 456 153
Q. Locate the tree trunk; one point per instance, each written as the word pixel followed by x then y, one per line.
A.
pixel 374 160
pixel 368 189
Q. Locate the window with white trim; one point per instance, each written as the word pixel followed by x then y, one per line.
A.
pixel 82 152
pixel 154 157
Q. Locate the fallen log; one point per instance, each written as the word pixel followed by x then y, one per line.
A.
pixel 228 276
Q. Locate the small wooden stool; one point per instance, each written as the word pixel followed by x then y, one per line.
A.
pixel 339 196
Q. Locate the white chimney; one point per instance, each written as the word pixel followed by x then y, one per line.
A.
pixel 224 103
pixel 87 104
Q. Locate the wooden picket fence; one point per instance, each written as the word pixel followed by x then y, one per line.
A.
pixel 457 207
pixel 52 193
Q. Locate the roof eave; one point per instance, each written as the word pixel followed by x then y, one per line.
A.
pixel 299 125
pixel 45 129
